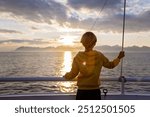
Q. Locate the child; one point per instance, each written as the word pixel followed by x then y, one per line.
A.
pixel 86 67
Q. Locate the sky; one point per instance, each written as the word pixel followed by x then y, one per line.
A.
pixel 44 23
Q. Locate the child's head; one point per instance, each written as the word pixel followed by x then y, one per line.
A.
pixel 88 40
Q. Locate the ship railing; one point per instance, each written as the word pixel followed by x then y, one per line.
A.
pixel 122 80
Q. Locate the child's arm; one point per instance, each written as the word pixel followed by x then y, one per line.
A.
pixel 114 63
pixel 74 71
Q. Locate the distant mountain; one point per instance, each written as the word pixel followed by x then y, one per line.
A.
pixel 28 49
pixel 138 49
pixel 104 48
pixel 108 48
pixel 38 49
pixel 127 49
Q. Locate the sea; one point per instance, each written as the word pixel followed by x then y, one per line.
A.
pixel 56 64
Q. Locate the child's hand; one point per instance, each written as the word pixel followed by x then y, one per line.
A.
pixel 121 54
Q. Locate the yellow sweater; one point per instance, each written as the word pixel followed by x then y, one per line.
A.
pixel 86 67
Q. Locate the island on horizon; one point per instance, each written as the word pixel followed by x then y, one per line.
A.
pixel 104 48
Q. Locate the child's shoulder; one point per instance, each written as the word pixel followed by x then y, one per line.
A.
pixel 93 52
pixel 80 53
pixel 98 52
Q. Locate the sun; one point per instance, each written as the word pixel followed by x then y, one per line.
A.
pixel 67 40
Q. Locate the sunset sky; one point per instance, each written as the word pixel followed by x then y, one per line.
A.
pixel 43 23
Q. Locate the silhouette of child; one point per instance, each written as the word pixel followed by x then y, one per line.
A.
pixel 86 67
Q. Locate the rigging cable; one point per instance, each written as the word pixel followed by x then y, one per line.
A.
pixel 123 35
pixel 99 14
pixel 122 78
pixel 123 31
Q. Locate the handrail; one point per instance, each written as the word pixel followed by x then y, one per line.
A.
pixel 22 79
pixel 31 79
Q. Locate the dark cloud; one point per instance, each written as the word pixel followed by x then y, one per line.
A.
pixel 35 10
pixel 134 23
pixel 112 21
pixel 9 31
pixel 139 22
pixel 94 4
pixel 44 10
pixel 34 28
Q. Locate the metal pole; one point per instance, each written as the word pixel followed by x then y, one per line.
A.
pixel 124 17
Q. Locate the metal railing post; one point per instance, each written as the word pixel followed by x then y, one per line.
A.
pixel 122 79
pixel 122 87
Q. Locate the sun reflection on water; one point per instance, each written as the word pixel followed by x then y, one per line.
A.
pixel 66 66
pixel 67 87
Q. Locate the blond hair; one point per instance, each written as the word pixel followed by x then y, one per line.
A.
pixel 88 39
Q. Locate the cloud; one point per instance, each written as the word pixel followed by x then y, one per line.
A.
pixel 35 10
pixel 113 18
pixel 93 4
pixel 134 23
pixel 113 23
pixel 9 31
pixel 47 10
pixel 34 28
pixel 15 41
pixel 19 41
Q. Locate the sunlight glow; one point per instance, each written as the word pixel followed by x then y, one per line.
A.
pixel 67 40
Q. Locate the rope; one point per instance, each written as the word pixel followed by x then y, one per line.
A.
pixel 92 27
pixel 123 31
